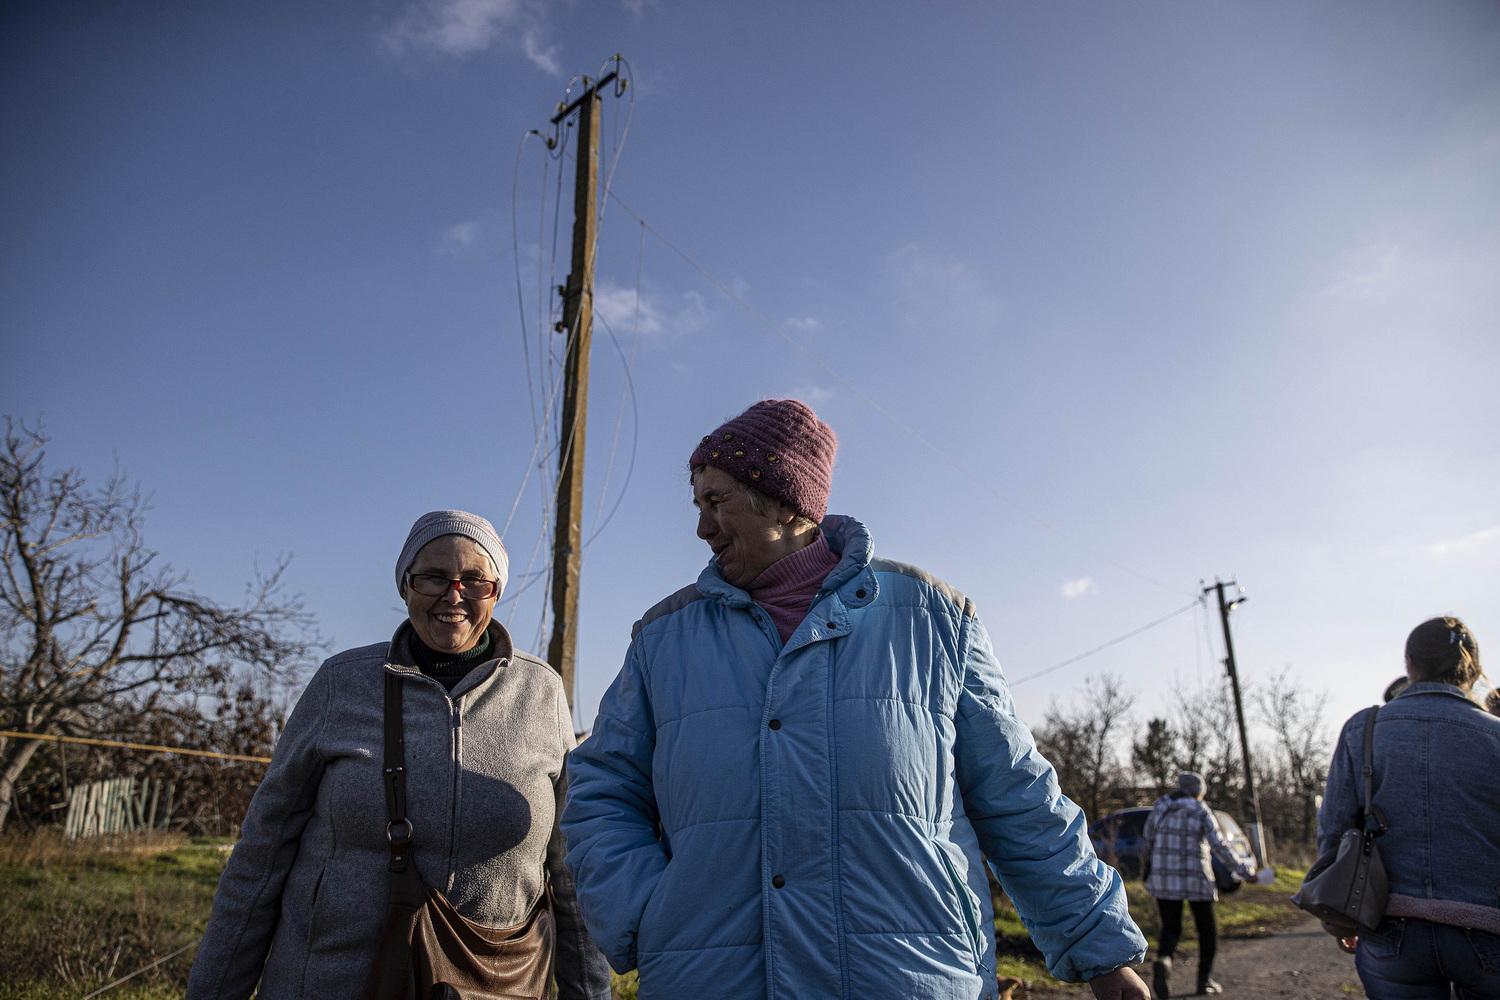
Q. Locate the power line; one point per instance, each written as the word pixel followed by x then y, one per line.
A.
pixel 635 436
pixel 614 446
pixel 515 243
pixel 152 747
pixel 1103 646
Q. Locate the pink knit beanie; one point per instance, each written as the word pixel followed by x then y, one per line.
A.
pixel 779 447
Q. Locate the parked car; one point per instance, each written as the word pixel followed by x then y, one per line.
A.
pixel 1119 839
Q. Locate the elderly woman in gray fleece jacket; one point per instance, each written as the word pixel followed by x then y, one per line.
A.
pixel 301 905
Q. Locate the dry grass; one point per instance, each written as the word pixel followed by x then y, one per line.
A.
pixel 78 915
pixel 47 846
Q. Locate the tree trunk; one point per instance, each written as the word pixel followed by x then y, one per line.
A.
pixel 13 761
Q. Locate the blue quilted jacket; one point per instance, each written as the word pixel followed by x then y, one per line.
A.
pixel 751 819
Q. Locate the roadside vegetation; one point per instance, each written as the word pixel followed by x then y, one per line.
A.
pixel 80 915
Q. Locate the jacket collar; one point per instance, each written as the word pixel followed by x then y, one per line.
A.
pixel 400 660
pixel 1432 687
pixel 852 579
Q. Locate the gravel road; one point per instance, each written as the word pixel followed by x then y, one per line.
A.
pixel 1300 963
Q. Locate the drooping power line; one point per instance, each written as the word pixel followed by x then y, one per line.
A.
pixel 1103 646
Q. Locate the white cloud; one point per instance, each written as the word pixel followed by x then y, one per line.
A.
pixel 541 55
pixel 803 324
pixel 813 395
pixel 464 27
pixel 1484 536
pixel 655 321
pixel 1369 271
pixel 939 291
pixel 1074 589
pixel 459 239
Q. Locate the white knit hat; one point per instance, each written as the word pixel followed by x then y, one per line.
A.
pixel 438 523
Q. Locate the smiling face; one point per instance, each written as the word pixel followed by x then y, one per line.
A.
pixel 451 623
pixel 745 541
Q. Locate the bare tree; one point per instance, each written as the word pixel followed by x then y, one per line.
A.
pixel 1155 754
pixel 1080 742
pixel 90 620
pixel 1206 742
pixel 1298 719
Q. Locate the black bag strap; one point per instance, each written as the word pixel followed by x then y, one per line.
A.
pixel 1370 812
pixel 398 831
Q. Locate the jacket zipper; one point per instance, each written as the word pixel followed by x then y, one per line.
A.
pixel 457 771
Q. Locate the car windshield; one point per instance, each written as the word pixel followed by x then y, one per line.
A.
pixel 1230 828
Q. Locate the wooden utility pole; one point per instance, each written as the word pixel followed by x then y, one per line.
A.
pixel 1252 801
pixel 577 326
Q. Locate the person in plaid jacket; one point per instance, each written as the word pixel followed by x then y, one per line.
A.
pixel 1181 832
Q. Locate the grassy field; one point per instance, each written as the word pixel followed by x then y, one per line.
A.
pixel 79 917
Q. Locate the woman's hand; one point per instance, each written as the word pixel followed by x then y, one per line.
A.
pixel 1348 942
pixel 1122 984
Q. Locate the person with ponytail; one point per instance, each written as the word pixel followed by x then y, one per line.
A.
pixel 1436 754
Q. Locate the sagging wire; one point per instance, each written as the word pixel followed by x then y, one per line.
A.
pixel 515 243
pixel 1105 645
pixel 541 419
pixel 634 439
pixel 628 364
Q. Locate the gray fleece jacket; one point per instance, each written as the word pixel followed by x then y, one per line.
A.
pixel 302 901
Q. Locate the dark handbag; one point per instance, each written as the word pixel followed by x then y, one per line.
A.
pixel 1227 881
pixel 1347 886
pixel 430 951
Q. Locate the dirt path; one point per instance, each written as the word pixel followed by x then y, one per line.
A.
pixel 1300 962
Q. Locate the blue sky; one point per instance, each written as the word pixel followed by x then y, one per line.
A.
pixel 1101 299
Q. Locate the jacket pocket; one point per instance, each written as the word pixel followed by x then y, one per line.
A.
pixel 312 925
pixel 968 907
pixel 1385 940
pixel 312 908
pixel 646 932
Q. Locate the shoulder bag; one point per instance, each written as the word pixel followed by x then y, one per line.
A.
pixel 428 950
pixel 1347 885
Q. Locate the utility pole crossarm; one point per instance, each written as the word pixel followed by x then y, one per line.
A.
pixel 590 90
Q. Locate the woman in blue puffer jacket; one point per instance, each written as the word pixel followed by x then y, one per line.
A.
pixel 793 781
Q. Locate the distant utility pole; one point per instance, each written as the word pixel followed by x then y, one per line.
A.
pixel 1252 801
pixel 577 325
